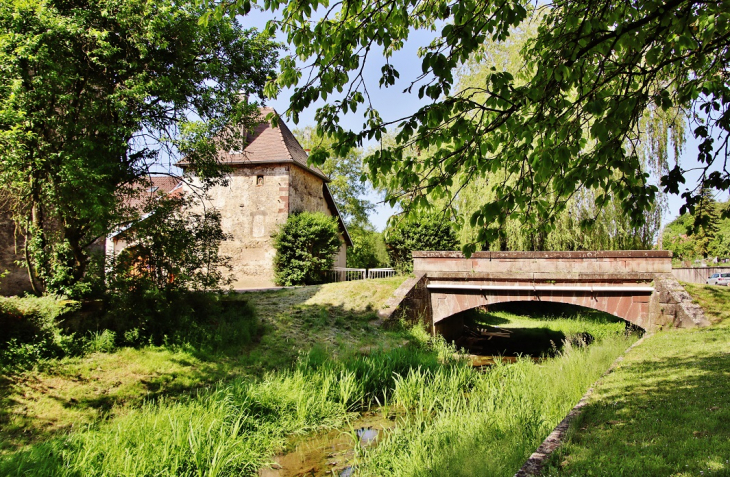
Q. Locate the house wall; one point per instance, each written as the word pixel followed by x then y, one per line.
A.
pixel 251 214
pixel 306 194
pixel 17 281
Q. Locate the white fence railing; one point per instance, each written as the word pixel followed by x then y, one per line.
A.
pixel 381 272
pixel 340 274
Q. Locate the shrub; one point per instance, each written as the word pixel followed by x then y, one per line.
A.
pixel 157 286
pixel 432 232
pixel 31 329
pixel 305 247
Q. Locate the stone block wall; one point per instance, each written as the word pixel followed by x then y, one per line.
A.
pixel 672 306
pixel 646 261
pixel 410 302
pixel 697 274
pixel 253 206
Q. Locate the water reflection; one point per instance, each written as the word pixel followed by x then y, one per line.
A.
pixel 329 453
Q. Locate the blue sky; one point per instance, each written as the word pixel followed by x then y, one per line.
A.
pixel 392 104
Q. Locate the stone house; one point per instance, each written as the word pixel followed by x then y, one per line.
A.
pixel 270 179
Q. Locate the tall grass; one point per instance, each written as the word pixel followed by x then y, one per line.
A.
pixel 229 430
pixel 461 422
pixel 455 420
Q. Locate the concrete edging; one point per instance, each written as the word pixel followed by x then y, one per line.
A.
pixel 536 461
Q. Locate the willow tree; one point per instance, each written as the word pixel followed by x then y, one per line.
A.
pixel 661 135
pixel 92 94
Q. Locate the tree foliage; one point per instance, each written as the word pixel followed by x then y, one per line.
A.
pixel 92 93
pixel 368 247
pixel 430 232
pixel 573 121
pixel 690 237
pixel 609 228
pixel 305 247
pixel 174 247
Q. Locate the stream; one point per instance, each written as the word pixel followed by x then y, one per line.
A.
pixel 330 453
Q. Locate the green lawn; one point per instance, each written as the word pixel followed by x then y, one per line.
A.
pixel 665 411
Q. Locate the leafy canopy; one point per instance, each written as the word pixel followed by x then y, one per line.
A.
pixel 690 237
pixel 574 121
pixel 92 94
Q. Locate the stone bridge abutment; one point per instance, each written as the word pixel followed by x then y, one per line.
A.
pixel 636 286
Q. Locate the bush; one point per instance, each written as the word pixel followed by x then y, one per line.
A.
pixel 432 232
pixel 305 247
pixel 31 330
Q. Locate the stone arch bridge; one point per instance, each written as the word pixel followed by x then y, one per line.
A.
pixel 636 286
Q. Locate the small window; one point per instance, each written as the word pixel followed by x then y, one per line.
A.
pixel 259 180
pixel 725 275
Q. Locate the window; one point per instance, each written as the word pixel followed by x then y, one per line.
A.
pixel 259 180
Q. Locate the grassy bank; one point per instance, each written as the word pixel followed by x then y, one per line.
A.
pixel 59 395
pixel 320 361
pixel 479 424
pixel 665 410
pixel 453 419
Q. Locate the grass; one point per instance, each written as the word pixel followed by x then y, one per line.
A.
pixel 486 424
pixel 320 362
pixel 664 410
pixel 539 330
pixel 59 395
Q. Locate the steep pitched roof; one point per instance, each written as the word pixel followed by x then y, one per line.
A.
pixel 269 145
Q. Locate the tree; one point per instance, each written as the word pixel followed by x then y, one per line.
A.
pixel 368 247
pixel 430 232
pixel 690 237
pixel 305 248
pixel 609 228
pixel 573 122
pixel 172 248
pixel 92 94
pixel 345 171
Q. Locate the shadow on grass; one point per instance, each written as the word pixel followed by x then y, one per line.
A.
pixel 671 421
pixel 287 327
pixel 534 342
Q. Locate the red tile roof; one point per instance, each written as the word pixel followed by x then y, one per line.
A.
pixel 268 145
pixel 152 186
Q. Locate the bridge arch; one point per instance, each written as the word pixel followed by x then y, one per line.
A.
pixel 630 303
pixel 636 286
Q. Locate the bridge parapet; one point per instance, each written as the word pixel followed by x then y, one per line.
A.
pixel 635 285
pixel 569 263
